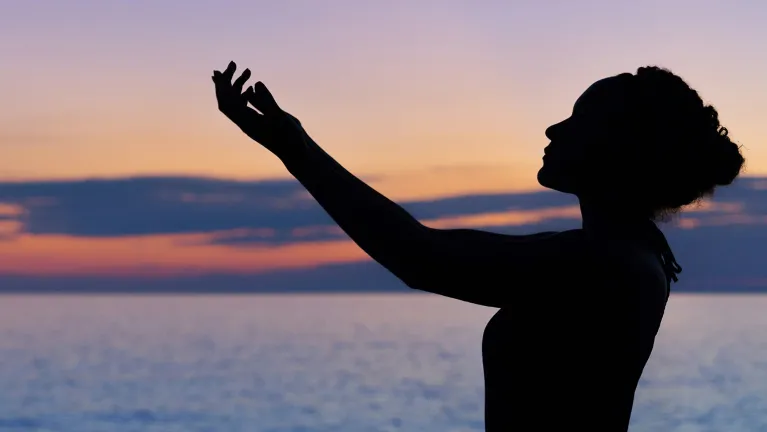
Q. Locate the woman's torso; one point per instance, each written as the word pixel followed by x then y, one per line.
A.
pixel 571 354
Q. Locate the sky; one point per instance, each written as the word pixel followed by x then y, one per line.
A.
pixel 117 165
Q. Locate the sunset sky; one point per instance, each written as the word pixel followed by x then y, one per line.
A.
pixel 428 99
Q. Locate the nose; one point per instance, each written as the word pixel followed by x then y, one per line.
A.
pixel 553 130
pixel 548 132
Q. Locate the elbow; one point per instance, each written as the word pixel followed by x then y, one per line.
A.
pixel 413 284
pixel 405 275
pixel 411 259
pixel 414 257
pixel 423 278
pixel 412 273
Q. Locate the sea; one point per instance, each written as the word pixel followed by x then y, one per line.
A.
pixel 340 363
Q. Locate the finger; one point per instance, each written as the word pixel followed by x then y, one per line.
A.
pixel 221 87
pixel 248 93
pixel 229 71
pixel 263 100
pixel 239 82
pixel 218 80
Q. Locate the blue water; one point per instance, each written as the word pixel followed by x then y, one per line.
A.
pixel 332 363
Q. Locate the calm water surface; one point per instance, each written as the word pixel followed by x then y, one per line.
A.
pixel 332 363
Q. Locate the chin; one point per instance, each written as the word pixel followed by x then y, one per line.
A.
pixel 553 179
pixel 545 177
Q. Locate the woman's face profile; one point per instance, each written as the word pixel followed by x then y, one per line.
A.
pixel 578 144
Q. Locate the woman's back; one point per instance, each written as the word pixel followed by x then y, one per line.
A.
pixel 571 353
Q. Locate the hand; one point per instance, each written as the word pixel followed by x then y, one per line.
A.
pixel 270 126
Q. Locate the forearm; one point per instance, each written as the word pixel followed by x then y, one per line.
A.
pixel 380 227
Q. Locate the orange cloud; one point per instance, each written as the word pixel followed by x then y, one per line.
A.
pixel 160 255
pixel 517 217
pixel 10 210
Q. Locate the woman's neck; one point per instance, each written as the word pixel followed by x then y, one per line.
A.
pixel 611 218
pixel 613 223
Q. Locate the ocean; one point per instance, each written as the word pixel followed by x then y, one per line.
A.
pixel 356 363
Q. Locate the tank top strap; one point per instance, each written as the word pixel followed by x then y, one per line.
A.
pixel 659 242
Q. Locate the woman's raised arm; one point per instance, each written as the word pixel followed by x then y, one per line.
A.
pixel 475 266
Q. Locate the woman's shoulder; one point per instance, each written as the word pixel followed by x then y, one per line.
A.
pixel 581 256
pixel 624 261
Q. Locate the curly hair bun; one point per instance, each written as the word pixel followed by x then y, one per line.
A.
pixel 729 160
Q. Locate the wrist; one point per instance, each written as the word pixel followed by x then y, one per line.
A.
pixel 297 156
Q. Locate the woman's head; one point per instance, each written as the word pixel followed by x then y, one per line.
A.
pixel 644 142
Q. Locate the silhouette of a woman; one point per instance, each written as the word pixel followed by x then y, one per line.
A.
pixel 579 309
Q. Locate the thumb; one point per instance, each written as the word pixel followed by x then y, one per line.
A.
pixel 263 100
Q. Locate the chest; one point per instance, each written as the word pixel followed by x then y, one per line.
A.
pixel 560 326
